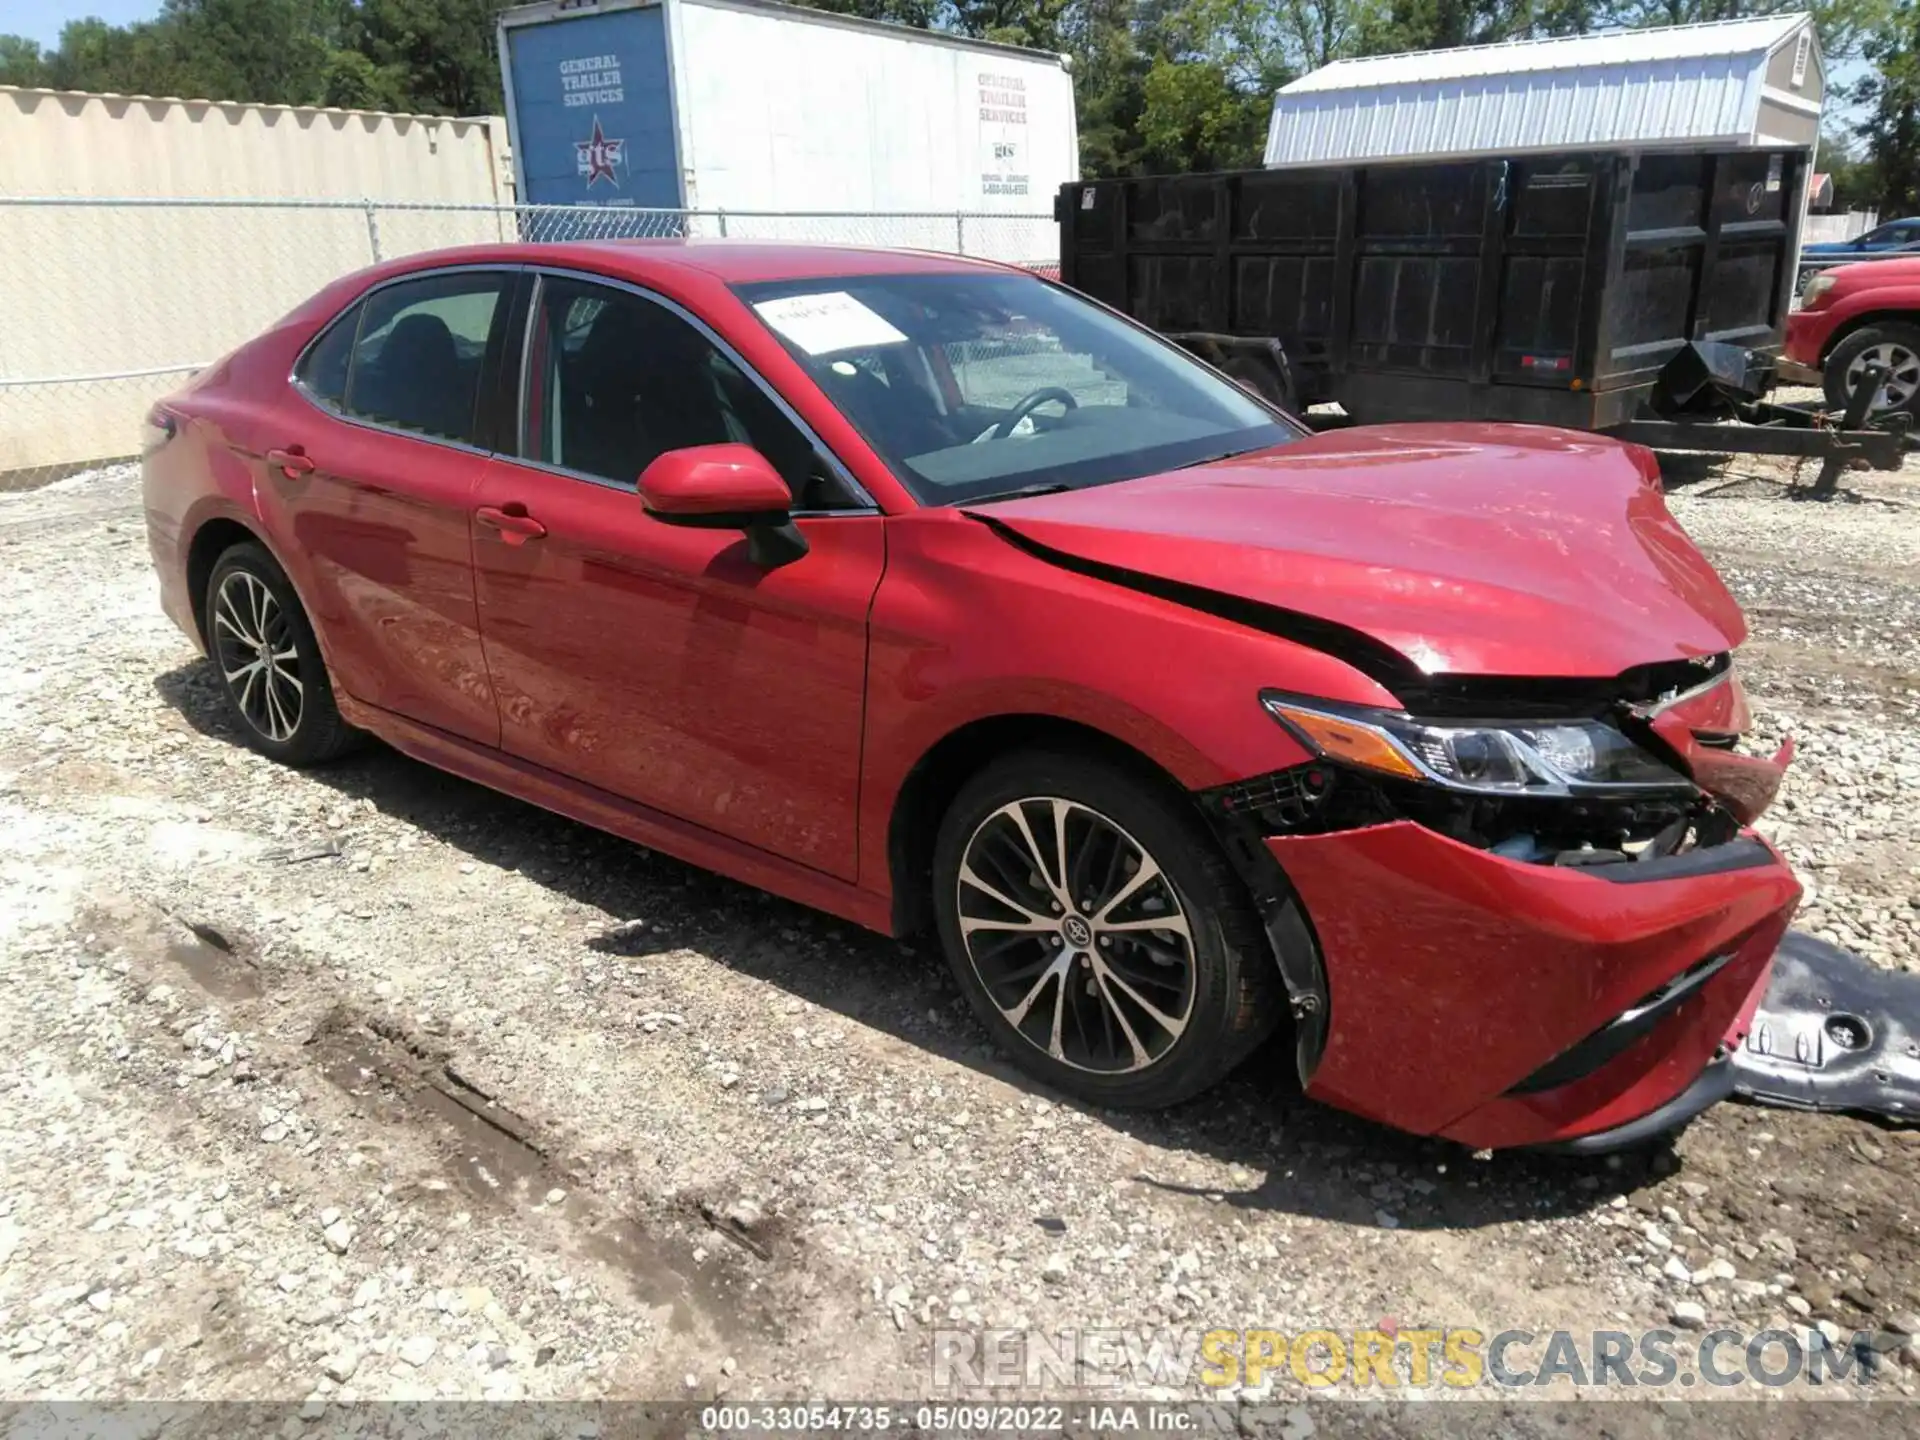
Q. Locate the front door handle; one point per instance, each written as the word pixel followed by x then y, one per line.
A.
pixel 290 462
pixel 516 527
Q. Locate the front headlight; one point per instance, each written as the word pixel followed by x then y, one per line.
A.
pixel 1529 757
pixel 1818 286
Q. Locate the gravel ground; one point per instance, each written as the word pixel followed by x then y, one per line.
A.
pixel 366 1082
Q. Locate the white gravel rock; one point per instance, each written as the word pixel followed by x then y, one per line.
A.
pixel 340 1366
pixel 371 978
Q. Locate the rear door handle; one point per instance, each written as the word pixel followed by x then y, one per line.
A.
pixel 516 527
pixel 291 461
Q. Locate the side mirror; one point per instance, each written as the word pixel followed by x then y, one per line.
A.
pixel 725 487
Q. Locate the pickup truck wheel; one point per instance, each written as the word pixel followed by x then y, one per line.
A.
pixel 1895 346
pixel 1098 932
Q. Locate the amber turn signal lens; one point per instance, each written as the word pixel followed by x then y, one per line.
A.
pixel 1347 740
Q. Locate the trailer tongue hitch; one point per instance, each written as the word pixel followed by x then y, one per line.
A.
pixel 1709 380
pixel 1834 1032
pixel 1707 385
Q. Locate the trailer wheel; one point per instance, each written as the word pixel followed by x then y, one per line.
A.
pixel 1895 346
pixel 1258 375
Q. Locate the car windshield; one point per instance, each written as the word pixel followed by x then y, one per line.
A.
pixel 974 385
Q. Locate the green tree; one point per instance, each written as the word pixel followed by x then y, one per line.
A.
pixel 1844 26
pixel 1196 118
pixel 1890 95
pixel 274 50
pixel 918 13
pixel 1397 25
pixel 1318 32
pixel 1109 81
pixel 21 62
pixel 135 60
pixel 1841 158
pixel 442 51
pixel 1209 89
pixel 354 82
pixel 1162 85
pixel 1036 23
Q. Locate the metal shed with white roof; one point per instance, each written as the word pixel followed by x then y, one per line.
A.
pixel 1757 82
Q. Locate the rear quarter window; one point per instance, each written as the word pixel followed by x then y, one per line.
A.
pixel 420 350
pixel 323 369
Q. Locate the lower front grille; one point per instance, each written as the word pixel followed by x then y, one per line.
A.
pixel 1625 1029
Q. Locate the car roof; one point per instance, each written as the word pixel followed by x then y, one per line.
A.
pixel 731 262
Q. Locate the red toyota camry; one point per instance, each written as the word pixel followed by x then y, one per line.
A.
pixel 929 593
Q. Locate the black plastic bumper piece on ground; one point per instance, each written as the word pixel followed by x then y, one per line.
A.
pixel 1834 1032
pixel 1714 1084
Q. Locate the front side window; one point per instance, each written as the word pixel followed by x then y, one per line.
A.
pixel 614 380
pixel 971 385
pixel 420 348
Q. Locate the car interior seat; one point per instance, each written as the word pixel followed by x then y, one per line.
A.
pixel 418 382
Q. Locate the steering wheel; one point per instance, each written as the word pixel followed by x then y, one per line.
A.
pixel 1030 402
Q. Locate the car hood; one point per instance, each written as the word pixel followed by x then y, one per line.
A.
pixel 1904 270
pixel 1467 549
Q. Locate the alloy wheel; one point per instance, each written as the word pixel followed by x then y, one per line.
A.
pixel 1076 934
pixel 1903 374
pixel 254 647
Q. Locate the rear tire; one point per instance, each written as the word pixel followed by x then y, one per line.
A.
pixel 1896 345
pixel 271 671
pixel 1064 962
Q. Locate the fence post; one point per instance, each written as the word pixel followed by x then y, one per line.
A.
pixel 373 231
pixel 959 234
pixel 721 214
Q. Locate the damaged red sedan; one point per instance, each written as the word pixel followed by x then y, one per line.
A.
pixel 928 593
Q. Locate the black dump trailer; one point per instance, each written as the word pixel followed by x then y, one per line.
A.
pixel 1640 293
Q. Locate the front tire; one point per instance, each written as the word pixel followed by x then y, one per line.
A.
pixel 1896 346
pixel 271 671
pixel 1098 932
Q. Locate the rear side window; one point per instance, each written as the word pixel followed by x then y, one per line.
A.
pixel 419 351
pixel 323 370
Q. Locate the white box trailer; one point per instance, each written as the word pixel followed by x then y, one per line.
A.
pixel 751 106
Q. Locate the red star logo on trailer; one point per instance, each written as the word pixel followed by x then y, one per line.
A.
pixel 598 158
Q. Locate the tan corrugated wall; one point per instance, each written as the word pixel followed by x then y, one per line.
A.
pixel 54 143
pixel 104 289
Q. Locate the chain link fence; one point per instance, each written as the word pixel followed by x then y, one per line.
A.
pixel 106 304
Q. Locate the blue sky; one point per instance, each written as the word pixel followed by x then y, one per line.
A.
pixel 41 19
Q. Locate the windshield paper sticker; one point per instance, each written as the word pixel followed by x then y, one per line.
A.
pixel 823 324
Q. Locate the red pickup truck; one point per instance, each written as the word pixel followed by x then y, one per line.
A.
pixel 1854 316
